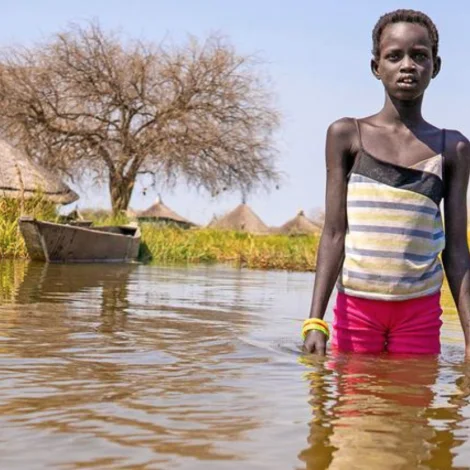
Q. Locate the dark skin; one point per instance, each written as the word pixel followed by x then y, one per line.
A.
pixel 398 134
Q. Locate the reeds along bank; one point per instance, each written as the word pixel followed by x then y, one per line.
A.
pixel 11 242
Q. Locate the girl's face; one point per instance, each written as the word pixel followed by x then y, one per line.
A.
pixel 405 65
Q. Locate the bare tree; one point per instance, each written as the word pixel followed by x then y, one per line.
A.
pixel 86 101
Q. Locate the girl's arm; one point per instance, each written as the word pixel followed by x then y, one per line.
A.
pixel 339 142
pixel 456 257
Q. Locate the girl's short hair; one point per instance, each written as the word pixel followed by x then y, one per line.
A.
pixel 406 16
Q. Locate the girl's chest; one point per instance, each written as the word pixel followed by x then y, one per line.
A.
pixel 404 151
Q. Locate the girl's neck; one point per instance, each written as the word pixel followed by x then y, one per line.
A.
pixel 398 113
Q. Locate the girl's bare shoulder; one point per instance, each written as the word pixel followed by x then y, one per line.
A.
pixel 343 127
pixel 457 146
pixel 344 133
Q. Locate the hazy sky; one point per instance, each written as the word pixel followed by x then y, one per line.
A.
pixel 317 55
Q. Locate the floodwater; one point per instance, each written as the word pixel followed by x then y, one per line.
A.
pixel 147 367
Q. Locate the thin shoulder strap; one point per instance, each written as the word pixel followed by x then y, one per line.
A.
pixel 443 142
pixel 443 159
pixel 358 132
pixel 358 155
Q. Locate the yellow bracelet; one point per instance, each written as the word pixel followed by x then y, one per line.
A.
pixel 316 327
pixel 317 321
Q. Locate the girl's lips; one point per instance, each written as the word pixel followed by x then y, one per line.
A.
pixel 407 79
pixel 408 85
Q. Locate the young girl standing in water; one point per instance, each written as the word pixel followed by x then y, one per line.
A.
pixel 386 177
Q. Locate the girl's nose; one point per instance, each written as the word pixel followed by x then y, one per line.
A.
pixel 407 63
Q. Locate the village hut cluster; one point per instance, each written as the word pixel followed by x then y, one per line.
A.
pixel 241 219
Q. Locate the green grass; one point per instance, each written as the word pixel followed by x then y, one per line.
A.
pixel 11 241
pixel 174 245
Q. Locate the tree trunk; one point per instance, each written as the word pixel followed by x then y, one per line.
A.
pixel 121 188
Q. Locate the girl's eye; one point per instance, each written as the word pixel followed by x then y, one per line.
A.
pixel 393 56
pixel 421 56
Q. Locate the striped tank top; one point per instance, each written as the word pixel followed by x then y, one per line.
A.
pixel 395 232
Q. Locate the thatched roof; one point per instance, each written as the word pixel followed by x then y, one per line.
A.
pixel 159 211
pixel 214 219
pixel 21 177
pixel 131 213
pixel 242 218
pixel 299 225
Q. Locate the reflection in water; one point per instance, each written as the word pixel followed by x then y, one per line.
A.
pixel 56 282
pixel 142 367
pixel 385 412
pixel 11 275
pixel 152 376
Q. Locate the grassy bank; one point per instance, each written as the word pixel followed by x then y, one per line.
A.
pixel 166 244
pixel 173 245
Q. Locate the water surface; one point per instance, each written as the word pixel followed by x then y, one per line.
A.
pixel 146 367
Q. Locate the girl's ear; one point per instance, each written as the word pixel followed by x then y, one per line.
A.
pixel 437 66
pixel 374 67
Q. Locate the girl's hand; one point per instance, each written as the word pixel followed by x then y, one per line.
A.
pixel 315 342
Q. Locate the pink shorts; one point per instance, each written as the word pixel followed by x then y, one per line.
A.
pixel 373 326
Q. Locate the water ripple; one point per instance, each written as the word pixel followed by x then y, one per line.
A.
pixel 145 367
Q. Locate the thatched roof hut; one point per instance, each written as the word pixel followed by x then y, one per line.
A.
pixel 160 213
pixel 214 219
pixel 131 213
pixel 299 225
pixel 243 219
pixel 21 177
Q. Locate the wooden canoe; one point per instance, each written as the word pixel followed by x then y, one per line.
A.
pixel 62 243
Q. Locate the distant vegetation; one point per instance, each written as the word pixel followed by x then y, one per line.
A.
pixel 169 244
pixel 166 244
pixel 174 245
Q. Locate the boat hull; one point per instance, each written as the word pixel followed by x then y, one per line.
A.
pixel 60 243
